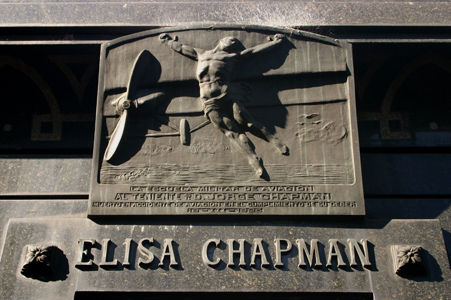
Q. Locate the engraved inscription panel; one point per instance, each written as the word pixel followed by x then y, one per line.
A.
pixel 226 121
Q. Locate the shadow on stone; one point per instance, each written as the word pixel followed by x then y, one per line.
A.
pixel 45 263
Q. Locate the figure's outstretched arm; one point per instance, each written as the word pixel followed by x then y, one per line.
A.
pixel 262 48
pixel 185 50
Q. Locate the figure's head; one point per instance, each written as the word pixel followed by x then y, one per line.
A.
pixel 228 44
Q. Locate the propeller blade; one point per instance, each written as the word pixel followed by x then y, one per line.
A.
pixel 140 68
pixel 116 137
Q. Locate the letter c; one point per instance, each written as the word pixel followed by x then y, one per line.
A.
pixel 205 257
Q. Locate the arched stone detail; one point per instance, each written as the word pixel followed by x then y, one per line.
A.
pixel 55 116
pixel 387 115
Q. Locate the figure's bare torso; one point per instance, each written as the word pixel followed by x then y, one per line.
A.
pixel 213 72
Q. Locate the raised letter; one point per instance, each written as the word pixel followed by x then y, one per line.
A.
pixel 205 258
pixel 168 251
pixel 279 251
pixel 313 252
pixel 363 256
pixel 146 252
pixel 127 243
pixel 104 263
pixel 85 251
pixel 334 250
pixel 239 251
pixel 258 250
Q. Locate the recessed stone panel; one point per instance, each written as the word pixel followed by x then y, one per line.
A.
pixel 320 258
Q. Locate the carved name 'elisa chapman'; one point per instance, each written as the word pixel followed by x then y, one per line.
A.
pixel 227 120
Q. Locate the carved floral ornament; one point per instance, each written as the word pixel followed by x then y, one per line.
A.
pixel 45 262
pixel 408 261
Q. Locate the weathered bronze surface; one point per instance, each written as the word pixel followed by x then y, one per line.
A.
pixel 227 120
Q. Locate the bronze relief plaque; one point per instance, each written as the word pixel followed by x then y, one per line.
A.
pixel 226 120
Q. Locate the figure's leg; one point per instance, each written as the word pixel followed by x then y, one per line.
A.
pixel 244 118
pixel 225 124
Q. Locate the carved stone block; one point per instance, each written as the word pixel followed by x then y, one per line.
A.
pixel 45 263
pixel 226 120
pixel 407 261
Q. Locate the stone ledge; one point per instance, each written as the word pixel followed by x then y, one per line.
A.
pixel 280 13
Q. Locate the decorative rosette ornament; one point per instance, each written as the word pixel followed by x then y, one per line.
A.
pixel 408 261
